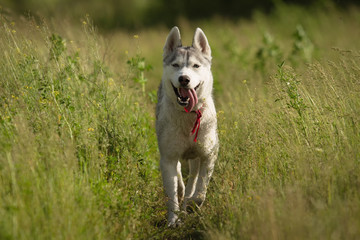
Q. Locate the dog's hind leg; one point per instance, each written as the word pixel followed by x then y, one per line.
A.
pixel 181 185
pixel 194 166
pixel 170 181
pixel 205 172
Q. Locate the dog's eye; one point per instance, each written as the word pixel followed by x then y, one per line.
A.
pixel 175 65
pixel 196 66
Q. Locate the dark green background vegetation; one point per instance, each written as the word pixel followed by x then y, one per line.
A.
pixel 109 14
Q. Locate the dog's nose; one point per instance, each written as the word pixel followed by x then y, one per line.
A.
pixel 184 80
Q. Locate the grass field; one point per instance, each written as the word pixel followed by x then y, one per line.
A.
pixel 78 150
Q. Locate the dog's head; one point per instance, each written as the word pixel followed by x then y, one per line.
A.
pixel 187 72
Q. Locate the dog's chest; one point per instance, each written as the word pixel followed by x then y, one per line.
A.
pixel 183 123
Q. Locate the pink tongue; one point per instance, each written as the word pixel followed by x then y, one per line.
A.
pixel 191 94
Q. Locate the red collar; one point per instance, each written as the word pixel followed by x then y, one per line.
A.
pixel 197 122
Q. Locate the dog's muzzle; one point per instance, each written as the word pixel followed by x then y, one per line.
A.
pixel 184 94
pixel 186 97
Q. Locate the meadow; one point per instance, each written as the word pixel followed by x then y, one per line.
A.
pixel 78 150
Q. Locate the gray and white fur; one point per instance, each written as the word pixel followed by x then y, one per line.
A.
pixel 189 68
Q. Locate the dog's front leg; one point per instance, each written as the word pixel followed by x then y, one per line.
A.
pixel 170 181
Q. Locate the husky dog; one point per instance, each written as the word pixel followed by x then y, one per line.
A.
pixel 184 101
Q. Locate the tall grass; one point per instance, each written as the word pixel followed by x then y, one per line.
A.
pixel 78 152
pixel 295 173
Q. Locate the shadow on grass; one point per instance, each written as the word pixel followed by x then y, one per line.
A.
pixel 192 227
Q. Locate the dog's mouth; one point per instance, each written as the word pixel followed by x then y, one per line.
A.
pixel 186 97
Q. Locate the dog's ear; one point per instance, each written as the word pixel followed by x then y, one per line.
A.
pixel 173 41
pixel 200 42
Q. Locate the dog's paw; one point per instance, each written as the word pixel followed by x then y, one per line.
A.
pixel 173 220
